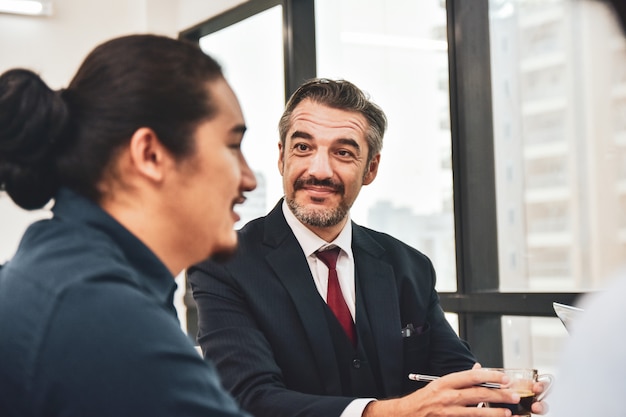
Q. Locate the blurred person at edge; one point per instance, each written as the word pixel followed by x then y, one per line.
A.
pixel 141 154
pixel 263 316
pixel 592 369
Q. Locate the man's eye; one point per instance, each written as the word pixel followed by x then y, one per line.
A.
pixel 301 147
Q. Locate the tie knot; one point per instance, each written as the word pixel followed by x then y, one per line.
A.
pixel 329 256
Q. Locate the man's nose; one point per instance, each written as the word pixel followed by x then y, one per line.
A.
pixel 320 165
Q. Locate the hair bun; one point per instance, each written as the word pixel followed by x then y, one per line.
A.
pixel 32 119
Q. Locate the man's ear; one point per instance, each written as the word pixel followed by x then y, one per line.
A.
pixel 281 158
pixel 148 156
pixel 372 170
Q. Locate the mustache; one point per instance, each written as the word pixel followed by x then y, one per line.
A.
pixel 312 181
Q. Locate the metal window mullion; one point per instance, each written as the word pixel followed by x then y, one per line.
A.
pixel 474 169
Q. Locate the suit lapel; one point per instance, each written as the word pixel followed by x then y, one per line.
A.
pixel 377 284
pixel 291 267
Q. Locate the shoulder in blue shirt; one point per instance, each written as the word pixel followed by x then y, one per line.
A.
pixel 88 327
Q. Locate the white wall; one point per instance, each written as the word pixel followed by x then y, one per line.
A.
pixel 190 10
pixel 55 46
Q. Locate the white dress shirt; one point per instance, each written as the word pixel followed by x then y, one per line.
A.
pixel 310 243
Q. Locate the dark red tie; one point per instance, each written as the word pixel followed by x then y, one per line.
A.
pixel 334 297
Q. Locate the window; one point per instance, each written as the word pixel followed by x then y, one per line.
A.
pixel 251 54
pixel 570 165
pixel 570 239
pixel 398 54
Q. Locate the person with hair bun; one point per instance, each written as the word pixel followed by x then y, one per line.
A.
pixel 141 155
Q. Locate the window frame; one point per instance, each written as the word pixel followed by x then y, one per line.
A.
pixel 298 35
pixel 478 302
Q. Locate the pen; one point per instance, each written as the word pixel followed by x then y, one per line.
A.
pixel 418 377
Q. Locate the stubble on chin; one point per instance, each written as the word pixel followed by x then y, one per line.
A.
pixel 322 217
pixel 318 216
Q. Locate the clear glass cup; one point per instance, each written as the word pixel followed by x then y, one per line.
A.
pixel 522 381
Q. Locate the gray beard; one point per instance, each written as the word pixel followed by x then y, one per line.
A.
pixel 315 218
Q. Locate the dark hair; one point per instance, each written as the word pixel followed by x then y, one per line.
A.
pixel 32 117
pixel 339 94
pixel 68 138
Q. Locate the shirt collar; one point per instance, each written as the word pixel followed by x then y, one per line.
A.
pixel 310 242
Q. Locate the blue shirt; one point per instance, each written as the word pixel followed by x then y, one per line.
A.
pixel 88 326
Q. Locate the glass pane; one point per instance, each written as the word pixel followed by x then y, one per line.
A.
pixel 398 54
pixel 559 108
pixel 533 342
pixel 453 319
pixel 251 54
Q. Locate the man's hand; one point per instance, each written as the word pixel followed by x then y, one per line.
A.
pixel 539 407
pixel 451 396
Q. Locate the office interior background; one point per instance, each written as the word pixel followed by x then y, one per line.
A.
pixel 505 158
